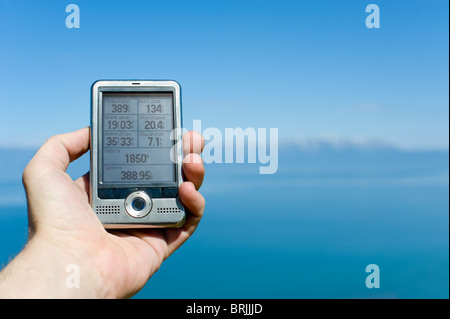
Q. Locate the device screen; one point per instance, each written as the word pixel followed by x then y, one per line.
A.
pixel 135 134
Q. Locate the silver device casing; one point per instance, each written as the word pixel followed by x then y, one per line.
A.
pixel 164 212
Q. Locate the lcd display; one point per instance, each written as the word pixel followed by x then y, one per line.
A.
pixel 135 135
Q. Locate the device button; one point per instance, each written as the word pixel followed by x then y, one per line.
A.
pixel 170 192
pixel 138 204
pixel 123 192
pixel 105 193
pixel 153 192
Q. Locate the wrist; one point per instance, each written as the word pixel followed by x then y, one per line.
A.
pixel 47 270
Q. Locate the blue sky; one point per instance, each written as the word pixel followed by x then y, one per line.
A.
pixel 310 68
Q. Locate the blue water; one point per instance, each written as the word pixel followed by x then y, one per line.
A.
pixel 308 231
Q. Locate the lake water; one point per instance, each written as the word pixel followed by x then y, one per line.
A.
pixel 308 231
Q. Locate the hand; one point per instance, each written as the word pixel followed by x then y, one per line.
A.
pixel 63 229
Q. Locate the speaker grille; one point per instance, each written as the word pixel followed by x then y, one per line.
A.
pixel 168 210
pixel 107 209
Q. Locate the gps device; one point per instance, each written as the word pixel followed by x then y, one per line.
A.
pixel 136 153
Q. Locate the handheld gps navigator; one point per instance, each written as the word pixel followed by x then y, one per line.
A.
pixel 136 153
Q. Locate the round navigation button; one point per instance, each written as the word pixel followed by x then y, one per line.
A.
pixel 138 204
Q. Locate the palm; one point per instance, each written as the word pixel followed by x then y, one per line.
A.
pixel 59 210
